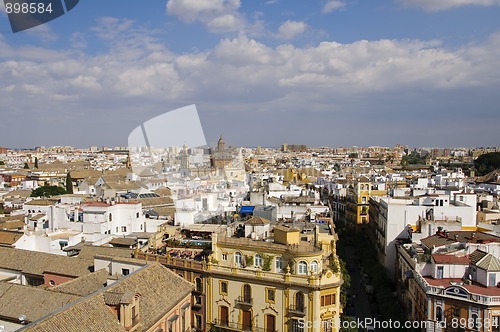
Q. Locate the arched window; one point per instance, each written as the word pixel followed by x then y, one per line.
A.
pixel 199 285
pixel 314 266
pixel 237 259
pixel 362 187
pixel 299 301
pixel 258 260
pixel 110 217
pixel 439 313
pixel 302 267
pixel 279 264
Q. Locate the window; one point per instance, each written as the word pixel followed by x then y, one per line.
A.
pixel 279 264
pixel 258 260
pixel 297 326
pixel 224 257
pixel 125 272
pixel 223 287
pixel 247 293
pixel 456 312
pixel 137 215
pixel 198 321
pixel 110 217
pixel 124 228
pixel 199 285
pixel 475 321
pixel 314 267
pixel 302 267
pixel 197 299
pixel 493 279
pixel 327 300
pixel 299 301
pixel 362 187
pixel 363 199
pixel 440 271
pixel 237 259
pixel 439 313
pixel 270 295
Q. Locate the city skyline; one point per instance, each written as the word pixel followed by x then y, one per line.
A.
pixel 328 73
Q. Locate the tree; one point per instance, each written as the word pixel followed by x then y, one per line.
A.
pixel 2 163
pixel 26 166
pixel 36 162
pixel 48 191
pixel 487 162
pixel 69 184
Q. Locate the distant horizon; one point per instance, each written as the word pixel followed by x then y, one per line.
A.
pixel 263 147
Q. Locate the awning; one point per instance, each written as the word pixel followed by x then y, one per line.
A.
pixel 247 209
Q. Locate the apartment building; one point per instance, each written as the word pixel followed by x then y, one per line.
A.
pixel 451 280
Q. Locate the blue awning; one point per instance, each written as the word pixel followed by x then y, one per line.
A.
pixel 247 209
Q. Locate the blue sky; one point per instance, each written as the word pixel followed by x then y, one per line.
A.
pixel 321 73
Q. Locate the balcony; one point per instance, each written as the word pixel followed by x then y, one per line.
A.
pixel 296 311
pixel 244 301
pixel 221 326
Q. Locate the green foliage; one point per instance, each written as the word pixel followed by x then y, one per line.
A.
pixel 353 155
pixel 487 163
pixel 26 166
pixel 348 327
pixel 266 265
pixel 2 163
pixel 346 277
pixel 69 184
pixel 48 191
pixel 249 260
pixel 413 158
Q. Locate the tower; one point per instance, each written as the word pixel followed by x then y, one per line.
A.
pixel 220 144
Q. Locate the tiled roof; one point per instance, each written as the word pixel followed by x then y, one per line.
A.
pixel 256 221
pixel 8 238
pixel 476 256
pixel 37 263
pixel 450 259
pixel 123 241
pixel 88 314
pixel 17 300
pixel 489 263
pixel 41 202
pixel 85 285
pixel 160 291
pixel 156 284
pixel 88 252
pixel 442 239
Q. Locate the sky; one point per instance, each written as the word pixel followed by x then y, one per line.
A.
pixel 315 72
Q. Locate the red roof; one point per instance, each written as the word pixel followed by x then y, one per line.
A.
pixel 451 259
pixel 474 288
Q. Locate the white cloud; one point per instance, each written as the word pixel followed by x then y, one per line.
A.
pixel 332 5
pixel 138 74
pixel 291 29
pixel 437 5
pixel 216 15
pixel 110 27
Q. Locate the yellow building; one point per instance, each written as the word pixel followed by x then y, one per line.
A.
pixel 276 284
pixel 358 197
